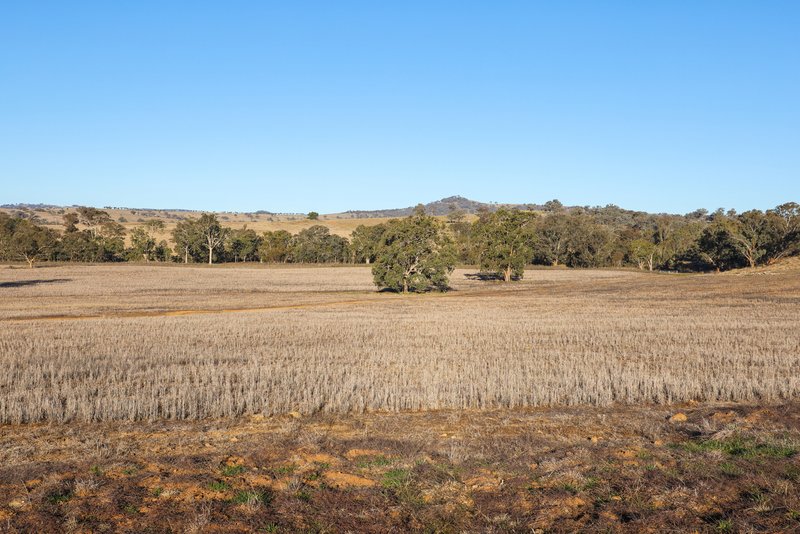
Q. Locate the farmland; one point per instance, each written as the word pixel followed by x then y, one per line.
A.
pixel 338 223
pixel 292 398
pixel 96 343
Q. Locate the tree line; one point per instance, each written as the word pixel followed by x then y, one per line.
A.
pixel 418 252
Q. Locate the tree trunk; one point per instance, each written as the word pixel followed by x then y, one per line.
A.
pixel 210 254
pixel 507 274
pixel 405 285
pixel 186 255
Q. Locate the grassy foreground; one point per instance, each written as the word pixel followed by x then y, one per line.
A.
pixel 707 468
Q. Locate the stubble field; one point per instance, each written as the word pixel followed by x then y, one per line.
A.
pixel 142 398
pixel 98 343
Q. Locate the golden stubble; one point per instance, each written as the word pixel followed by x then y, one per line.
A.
pixel 133 342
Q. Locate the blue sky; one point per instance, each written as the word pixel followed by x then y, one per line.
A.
pixel 329 106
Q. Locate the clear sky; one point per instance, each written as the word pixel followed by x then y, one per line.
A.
pixel 295 106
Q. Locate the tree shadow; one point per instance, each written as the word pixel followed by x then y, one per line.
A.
pixel 487 277
pixel 418 291
pixel 23 283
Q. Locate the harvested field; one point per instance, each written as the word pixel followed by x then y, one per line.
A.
pixel 128 342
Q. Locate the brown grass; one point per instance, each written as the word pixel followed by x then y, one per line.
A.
pixel 727 467
pixel 321 339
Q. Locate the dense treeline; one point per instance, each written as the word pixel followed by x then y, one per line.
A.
pixel 501 242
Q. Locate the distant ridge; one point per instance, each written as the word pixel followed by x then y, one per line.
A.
pixel 444 206
pixel 441 207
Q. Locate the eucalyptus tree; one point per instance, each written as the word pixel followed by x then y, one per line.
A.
pixel 212 234
pixel 415 254
pixel 505 241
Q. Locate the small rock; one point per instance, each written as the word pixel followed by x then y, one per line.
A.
pixel 295 415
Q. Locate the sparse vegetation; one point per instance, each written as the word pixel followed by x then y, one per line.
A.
pixel 232 470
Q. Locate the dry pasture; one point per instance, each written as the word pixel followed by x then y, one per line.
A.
pixel 170 398
pixel 134 342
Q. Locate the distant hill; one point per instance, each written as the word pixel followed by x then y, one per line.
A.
pixel 28 206
pixel 440 207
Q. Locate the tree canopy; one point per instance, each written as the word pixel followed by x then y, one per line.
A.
pixel 505 240
pixel 499 241
pixel 414 254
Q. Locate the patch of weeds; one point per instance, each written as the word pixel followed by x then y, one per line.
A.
pixel 575 488
pixel 96 470
pixel 590 483
pixel 650 467
pixel 396 478
pixel 252 497
pixel 271 528
pixel 792 473
pixel 59 496
pixel 130 470
pixel 742 447
pixel 793 515
pixel 131 509
pixel 316 474
pixel 399 482
pixel 219 485
pixel 284 470
pixel 730 469
pixel 644 455
pixel 601 500
pixel 232 470
pixel 760 500
pixel 303 495
pixel 157 491
pixel 375 461
pixel 570 488
pixel 724 525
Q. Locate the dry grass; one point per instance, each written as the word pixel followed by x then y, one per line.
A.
pixel 579 469
pixel 320 339
pixel 338 223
